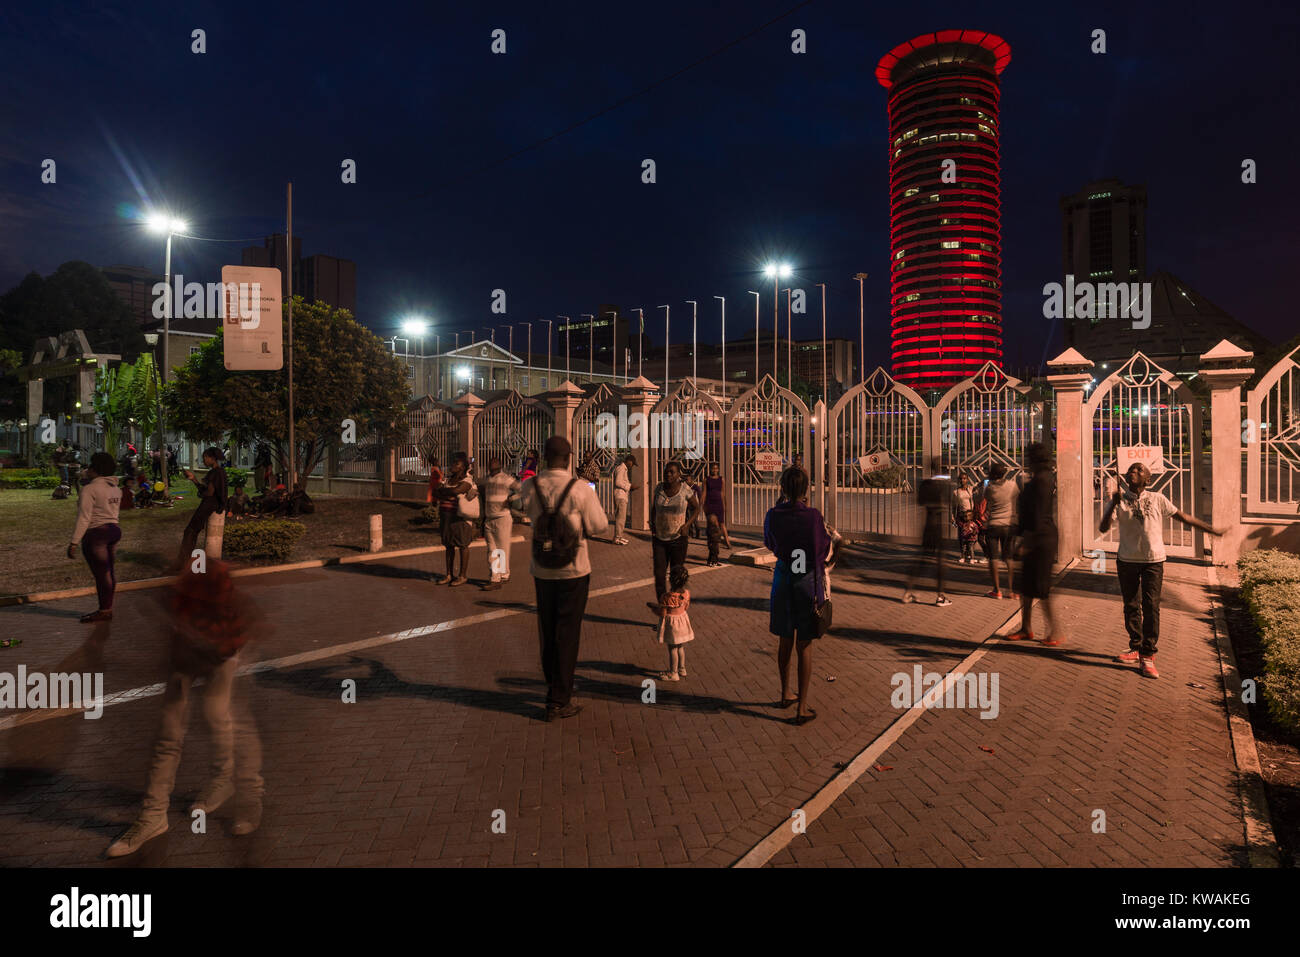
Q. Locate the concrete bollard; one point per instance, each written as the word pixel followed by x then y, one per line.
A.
pixel 376 532
pixel 215 533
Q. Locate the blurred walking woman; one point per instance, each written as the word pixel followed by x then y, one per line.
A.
pixel 797 535
pixel 97 531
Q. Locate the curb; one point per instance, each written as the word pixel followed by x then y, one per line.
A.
pixel 141 584
pixel 1257 822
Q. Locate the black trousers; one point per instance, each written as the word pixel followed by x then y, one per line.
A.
pixel 1140 584
pixel 561 604
pixel 667 555
pixel 198 522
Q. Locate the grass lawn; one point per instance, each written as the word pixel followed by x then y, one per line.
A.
pixel 35 529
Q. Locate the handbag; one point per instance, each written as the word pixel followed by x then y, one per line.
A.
pixel 822 617
pixel 467 509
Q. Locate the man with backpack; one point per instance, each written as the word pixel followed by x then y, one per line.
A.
pixel 565 512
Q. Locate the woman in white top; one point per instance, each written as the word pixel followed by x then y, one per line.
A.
pixel 673 510
pixel 97 531
pixel 1141 561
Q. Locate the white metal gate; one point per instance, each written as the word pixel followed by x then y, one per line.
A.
pixel 765 422
pixel 432 434
pixel 586 435
pixel 878 439
pixel 987 418
pixel 1142 403
pixel 507 427
pixel 688 427
pixel 1273 440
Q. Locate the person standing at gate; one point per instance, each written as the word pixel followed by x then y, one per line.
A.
pixel 498 524
pixel 934 496
pixel 1038 539
pixel 1000 498
pixel 212 499
pixel 673 510
pixel 623 487
pixel 715 512
pixel 97 531
pixel 1141 561
pixel 565 512
pixel 458 506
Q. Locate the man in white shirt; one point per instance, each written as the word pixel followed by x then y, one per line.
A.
pixel 561 588
pixel 1141 561
pixel 623 487
pixel 498 524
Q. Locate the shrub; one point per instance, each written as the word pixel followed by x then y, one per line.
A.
pixel 237 478
pixel 9 480
pixel 428 516
pixel 262 538
pixel 42 455
pixel 1270 584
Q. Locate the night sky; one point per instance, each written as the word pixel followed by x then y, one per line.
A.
pixel 477 171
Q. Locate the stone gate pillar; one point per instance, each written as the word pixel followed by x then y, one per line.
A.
pixel 466 409
pixel 565 401
pixel 1070 375
pixel 641 395
pixel 1225 368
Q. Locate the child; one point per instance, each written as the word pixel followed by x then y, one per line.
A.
pixel 675 624
pixel 968 533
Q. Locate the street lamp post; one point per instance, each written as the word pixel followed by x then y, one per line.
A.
pixel 776 272
pixel 160 223
pixel 724 343
pixel 152 339
pixel 640 336
pixel 667 312
pixel 824 394
pixel 591 344
pixel 419 328
pixel 529 360
pixel 789 343
pixel 549 325
pixel 862 327
pixel 613 350
pixel 756 299
pixel 567 323
pixel 695 362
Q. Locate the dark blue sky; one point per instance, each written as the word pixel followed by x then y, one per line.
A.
pixel 759 151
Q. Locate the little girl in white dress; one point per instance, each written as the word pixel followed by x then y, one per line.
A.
pixel 675 624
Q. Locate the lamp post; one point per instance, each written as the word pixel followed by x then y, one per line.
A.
pixel 591 344
pixel 549 324
pixel 756 299
pixel 567 323
pixel 161 223
pixel 667 312
pixel 529 365
pixel 724 343
pixel 640 336
pixel 695 362
pixel 789 344
pixel 417 327
pixel 862 326
pixel 613 349
pixel 152 339
pixel 776 272
pixel 824 398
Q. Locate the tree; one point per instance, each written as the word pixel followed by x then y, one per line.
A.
pixel 341 370
pixel 13 394
pixel 127 395
pixel 74 296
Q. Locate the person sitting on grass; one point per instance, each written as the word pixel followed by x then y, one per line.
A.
pixel 240 505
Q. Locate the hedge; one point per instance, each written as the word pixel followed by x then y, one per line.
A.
pixel 262 538
pixel 9 480
pixel 1270 585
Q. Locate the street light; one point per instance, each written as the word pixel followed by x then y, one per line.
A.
pixel 667 313
pixel 151 339
pixel 695 362
pixel 756 299
pixel 162 223
pixel 529 365
pixel 591 344
pixel 724 343
pixel 823 285
pixel 613 350
pixel 862 336
pixel 415 326
pixel 549 325
pixel 776 272
pixel 568 322
pixel 640 336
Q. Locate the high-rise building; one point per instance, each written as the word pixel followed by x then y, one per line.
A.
pixel 1104 232
pixel 324 278
pixel 945 206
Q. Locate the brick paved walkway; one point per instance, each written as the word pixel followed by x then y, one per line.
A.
pixel 447 730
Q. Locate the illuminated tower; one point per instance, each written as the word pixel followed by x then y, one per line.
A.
pixel 945 214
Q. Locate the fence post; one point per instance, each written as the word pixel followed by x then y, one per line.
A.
pixel 641 395
pixel 466 409
pixel 1225 368
pixel 216 533
pixel 1070 374
pixel 376 533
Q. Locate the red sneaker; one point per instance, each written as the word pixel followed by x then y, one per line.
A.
pixel 1051 641
pixel 1128 657
pixel 1021 635
pixel 993 594
pixel 1148 668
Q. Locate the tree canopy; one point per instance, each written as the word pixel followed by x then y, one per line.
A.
pixel 74 296
pixel 341 370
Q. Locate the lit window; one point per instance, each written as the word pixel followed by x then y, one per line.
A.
pixel 948 245
pixel 911 192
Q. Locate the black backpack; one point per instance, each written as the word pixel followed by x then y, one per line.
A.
pixel 555 541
